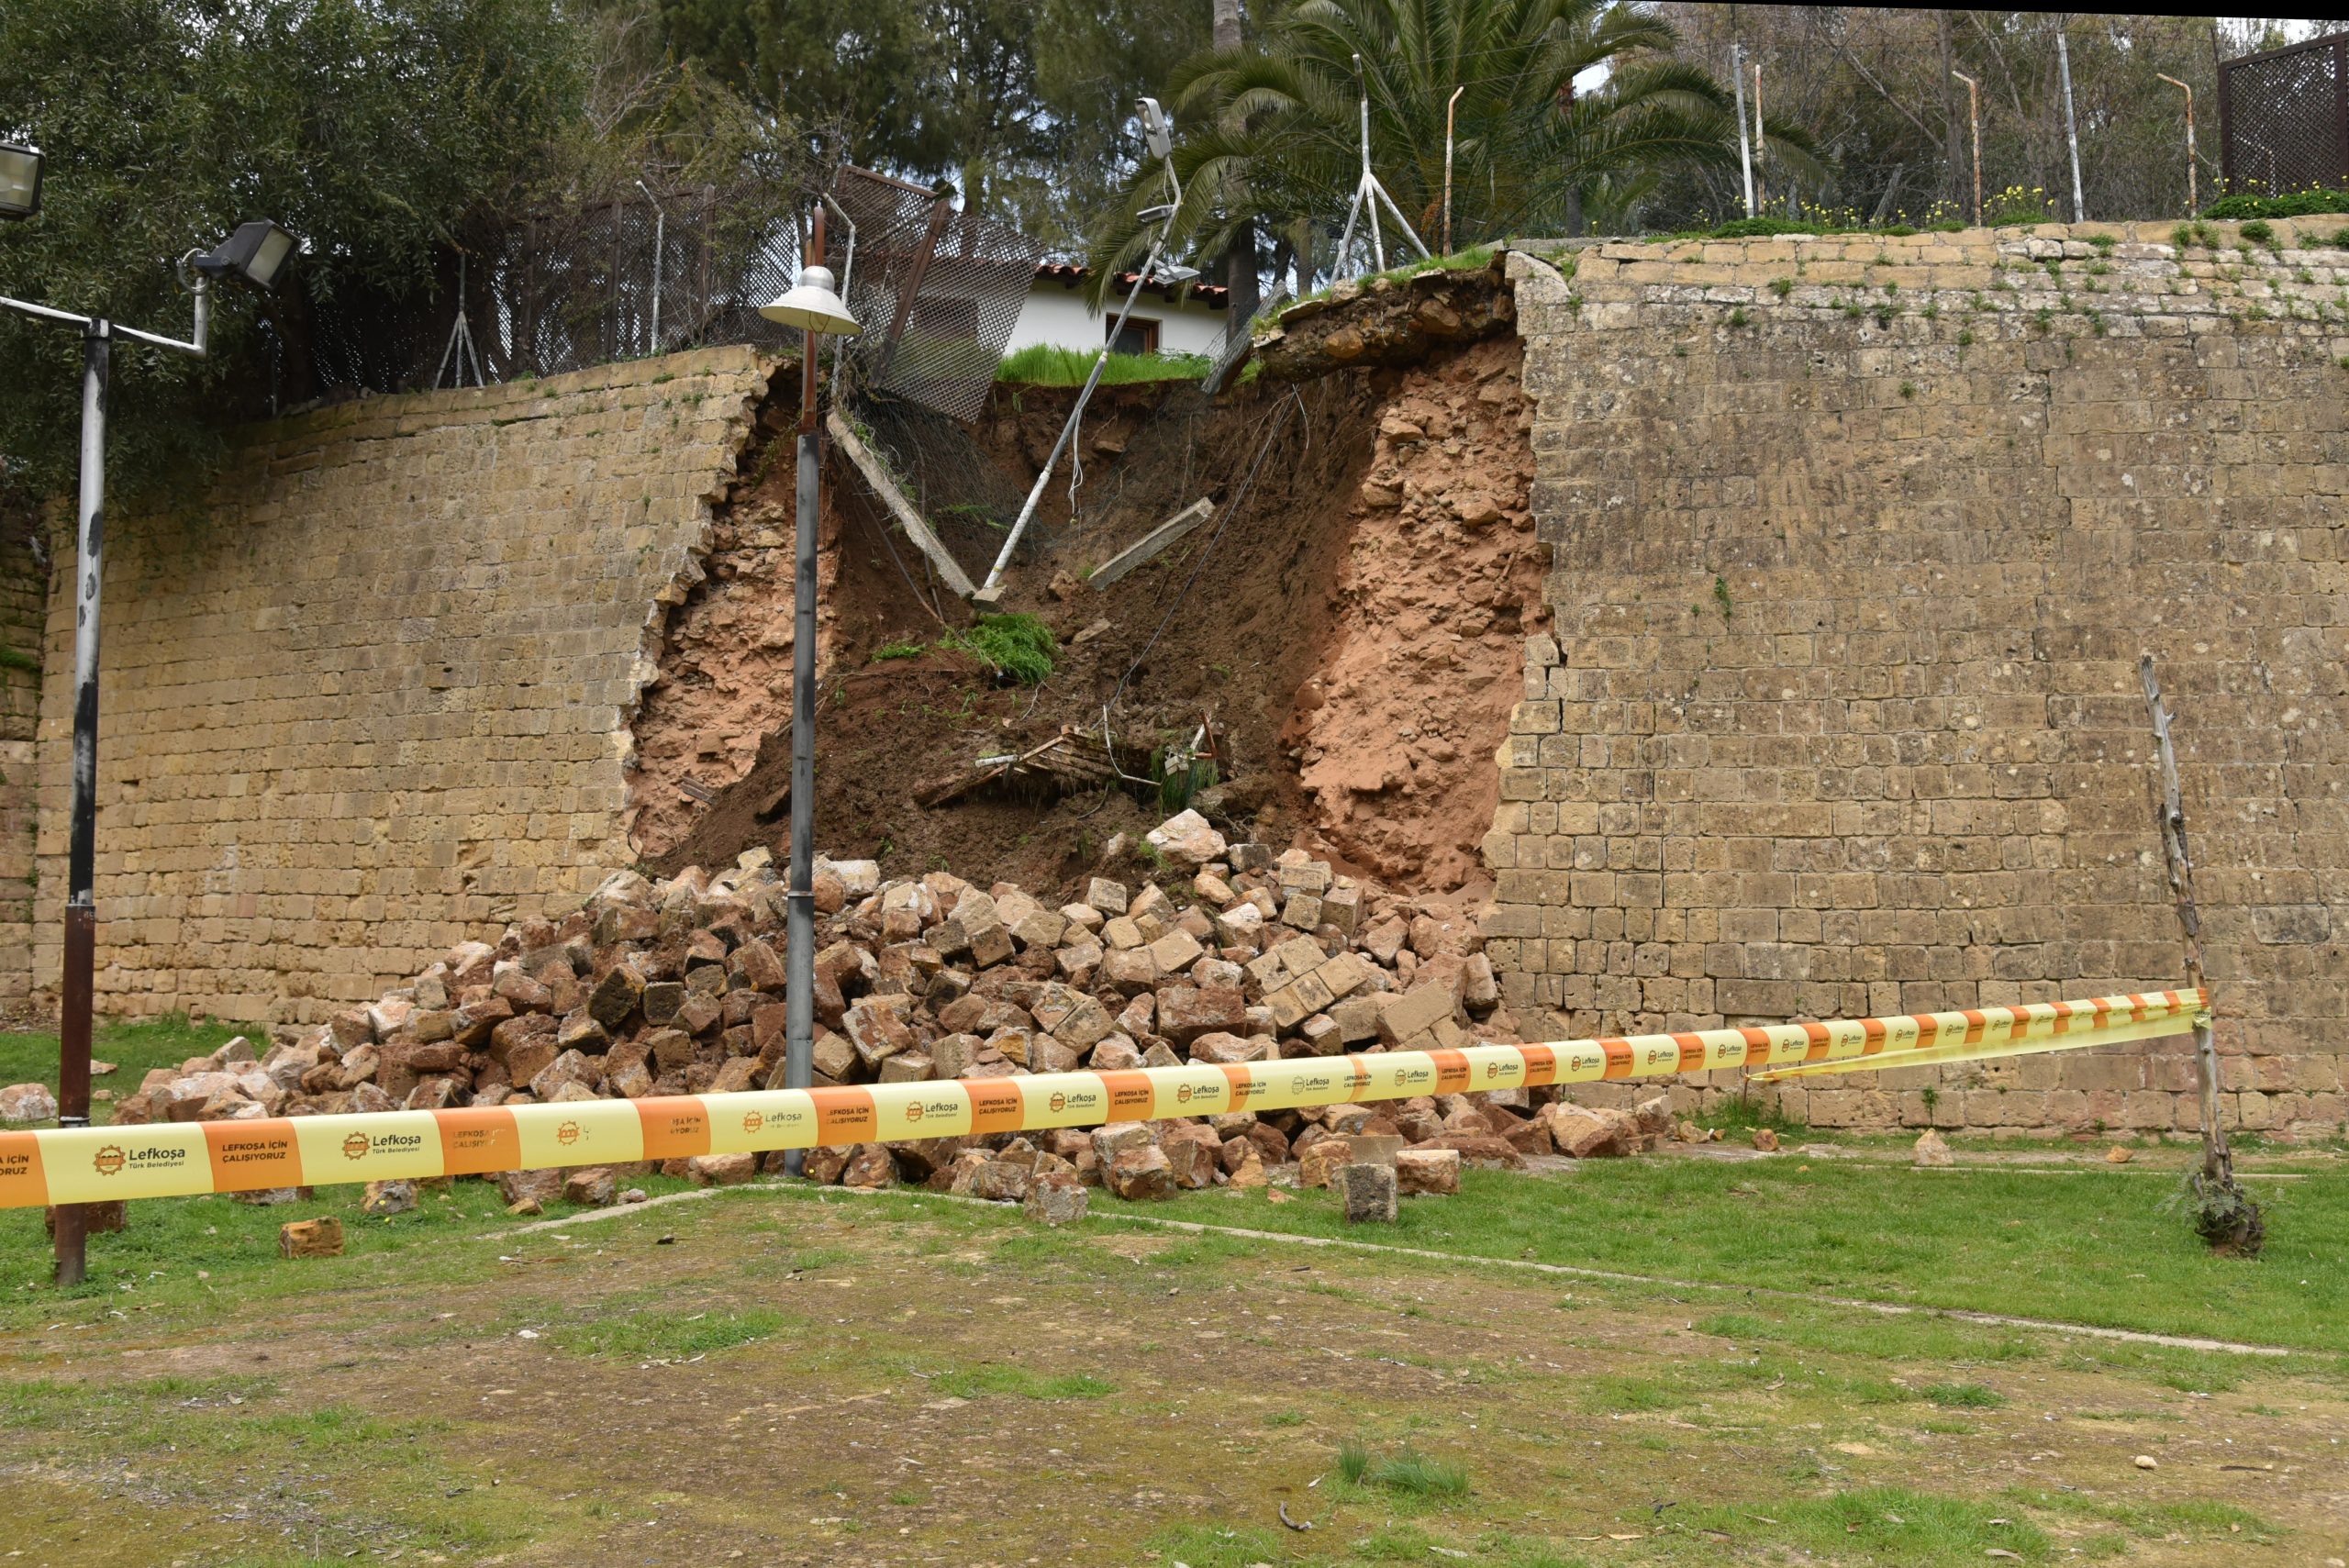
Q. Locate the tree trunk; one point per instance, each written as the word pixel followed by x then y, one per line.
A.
pixel 1240 260
pixel 1227 24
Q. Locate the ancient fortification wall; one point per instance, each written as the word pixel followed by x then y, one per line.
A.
pixel 370 697
pixel 23 586
pixel 1855 546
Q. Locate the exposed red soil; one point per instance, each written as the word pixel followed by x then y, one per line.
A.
pixel 1361 656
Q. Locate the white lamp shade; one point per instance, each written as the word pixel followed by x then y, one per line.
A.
pixel 811 305
pixel 19 180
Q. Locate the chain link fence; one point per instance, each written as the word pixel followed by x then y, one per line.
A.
pixel 2284 118
pixel 651 273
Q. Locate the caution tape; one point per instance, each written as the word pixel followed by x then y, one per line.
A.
pixel 101 1164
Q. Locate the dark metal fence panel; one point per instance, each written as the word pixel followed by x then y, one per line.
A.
pixel 937 291
pixel 2284 118
pixel 556 291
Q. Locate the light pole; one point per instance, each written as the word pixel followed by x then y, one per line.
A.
pixel 811 305
pixel 256 253
pixel 1159 134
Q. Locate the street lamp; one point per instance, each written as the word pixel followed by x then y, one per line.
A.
pixel 255 253
pixel 812 305
pixel 19 180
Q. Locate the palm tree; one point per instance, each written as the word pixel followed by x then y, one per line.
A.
pixel 1271 131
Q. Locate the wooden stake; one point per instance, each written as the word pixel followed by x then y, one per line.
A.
pixel 2169 814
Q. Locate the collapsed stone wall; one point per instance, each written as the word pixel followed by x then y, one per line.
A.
pixel 1856 543
pixel 369 697
pixel 24 586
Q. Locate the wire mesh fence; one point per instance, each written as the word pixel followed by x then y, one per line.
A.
pixel 2284 118
pixel 938 292
pixel 650 272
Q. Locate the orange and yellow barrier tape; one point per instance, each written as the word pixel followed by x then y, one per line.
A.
pixel 97 1165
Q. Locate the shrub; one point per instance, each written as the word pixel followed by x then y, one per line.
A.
pixel 2296 204
pixel 1019 645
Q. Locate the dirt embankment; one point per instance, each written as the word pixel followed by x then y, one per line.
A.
pixel 1349 616
pixel 1440 578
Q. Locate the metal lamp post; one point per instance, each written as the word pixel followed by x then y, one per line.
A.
pixel 811 305
pixel 256 253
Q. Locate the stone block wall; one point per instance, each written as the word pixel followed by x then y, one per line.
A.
pixel 23 587
pixel 370 696
pixel 1855 543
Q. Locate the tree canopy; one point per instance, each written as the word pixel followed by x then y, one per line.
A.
pixel 1560 103
pixel 369 126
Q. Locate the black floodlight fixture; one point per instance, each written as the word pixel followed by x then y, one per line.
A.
pixel 19 180
pixel 256 253
pixel 1157 130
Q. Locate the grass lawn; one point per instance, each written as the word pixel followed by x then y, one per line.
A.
pixel 1045 364
pixel 134 1048
pixel 2091 1248
pixel 798 1376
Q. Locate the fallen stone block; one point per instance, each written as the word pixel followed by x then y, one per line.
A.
pixel 1427 1172
pixel 721 1170
pixel 381 1198
pixel 1140 1175
pixel 1367 1193
pixel 320 1238
pixel 1056 1197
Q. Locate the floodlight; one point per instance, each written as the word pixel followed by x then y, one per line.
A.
pixel 1173 274
pixel 1156 128
pixel 810 304
pixel 256 253
pixel 19 180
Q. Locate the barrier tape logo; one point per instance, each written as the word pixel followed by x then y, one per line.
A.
pixel 108 1161
pixel 752 1121
pixel 355 1146
pixel 567 1134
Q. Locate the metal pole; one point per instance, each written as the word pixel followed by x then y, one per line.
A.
pixel 79 979
pixel 1761 141
pixel 2193 204
pixel 1377 244
pixel 2071 124
pixel 799 914
pixel 1974 114
pixel 1745 146
pixel 1100 363
pixel 1449 106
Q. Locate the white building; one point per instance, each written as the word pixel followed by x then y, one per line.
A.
pixel 1165 319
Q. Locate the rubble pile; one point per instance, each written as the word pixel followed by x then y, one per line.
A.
pixel 1230 954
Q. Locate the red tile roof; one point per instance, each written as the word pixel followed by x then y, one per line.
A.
pixel 1069 274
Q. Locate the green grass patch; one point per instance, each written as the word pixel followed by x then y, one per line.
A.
pixel 889 651
pixel 1046 364
pixel 1887 1525
pixel 1964 1396
pixel 1001 1377
pixel 134 1048
pixel 1019 645
pixel 1978 1241
pixel 655 1334
pixel 17 659
pixel 2295 203
pixel 1406 1473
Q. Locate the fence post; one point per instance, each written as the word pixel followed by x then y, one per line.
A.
pixel 2341 105
pixel 942 212
pixel 2226 128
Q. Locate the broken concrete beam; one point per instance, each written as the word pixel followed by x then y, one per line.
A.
pixel 1151 543
pixel 876 474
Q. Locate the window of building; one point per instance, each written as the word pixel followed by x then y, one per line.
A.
pixel 1139 336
